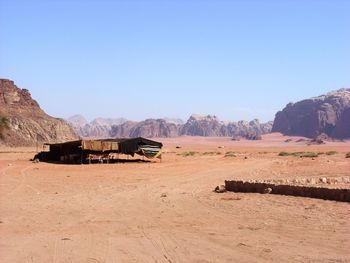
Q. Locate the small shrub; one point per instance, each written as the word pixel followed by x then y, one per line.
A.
pixel 347 155
pixel 331 152
pixel 208 153
pixel 284 154
pixel 309 155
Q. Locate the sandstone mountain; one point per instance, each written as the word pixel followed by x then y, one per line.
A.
pixel 328 114
pixel 196 125
pixel 27 122
pixel 98 128
pixel 148 128
pixel 211 126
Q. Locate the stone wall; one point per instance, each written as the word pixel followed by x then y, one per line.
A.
pixel 336 194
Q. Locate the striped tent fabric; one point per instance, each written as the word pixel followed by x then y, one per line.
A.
pixel 151 151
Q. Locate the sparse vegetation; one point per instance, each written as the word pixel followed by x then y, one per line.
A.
pixel 331 152
pixel 211 153
pixel 309 154
pixel 208 153
pixel 186 154
pixel 192 153
pixel 299 154
pixel 347 155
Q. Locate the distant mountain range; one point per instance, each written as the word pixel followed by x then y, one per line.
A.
pixel 24 123
pixel 98 128
pixel 196 125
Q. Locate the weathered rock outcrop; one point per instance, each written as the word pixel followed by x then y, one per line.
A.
pixel 212 126
pixel 153 128
pixel 27 122
pixel 123 130
pixel 329 114
pixel 198 125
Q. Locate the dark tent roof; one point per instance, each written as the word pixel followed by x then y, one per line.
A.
pixel 131 146
pixel 82 148
pixel 103 145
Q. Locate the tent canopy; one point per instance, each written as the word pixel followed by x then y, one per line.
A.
pixel 135 145
pixel 139 145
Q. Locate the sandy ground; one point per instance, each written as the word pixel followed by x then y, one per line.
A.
pixel 167 212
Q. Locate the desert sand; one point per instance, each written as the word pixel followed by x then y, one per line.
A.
pixel 167 211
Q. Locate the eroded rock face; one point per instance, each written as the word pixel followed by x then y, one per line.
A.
pixel 28 123
pixel 154 128
pixel 211 126
pixel 148 128
pixel 123 130
pixel 198 125
pixel 329 114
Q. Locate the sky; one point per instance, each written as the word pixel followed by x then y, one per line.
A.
pixel 151 59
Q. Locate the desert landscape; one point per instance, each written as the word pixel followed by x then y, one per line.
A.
pixel 155 131
pixel 168 212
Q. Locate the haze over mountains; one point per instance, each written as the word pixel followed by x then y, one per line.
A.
pixel 28 124
pixel 196 125
pixel 327 114
pixel 98 128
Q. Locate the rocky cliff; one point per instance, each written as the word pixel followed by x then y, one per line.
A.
pixel 27 122
pixel 328 114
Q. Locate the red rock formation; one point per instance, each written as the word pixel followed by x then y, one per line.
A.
pixel 329 114
pixel 28 123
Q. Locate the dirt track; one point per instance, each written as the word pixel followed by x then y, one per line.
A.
pixel 167 212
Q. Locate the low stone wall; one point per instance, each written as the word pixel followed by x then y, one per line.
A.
pixel 336 194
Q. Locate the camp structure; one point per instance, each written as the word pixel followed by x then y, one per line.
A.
pixel 104 150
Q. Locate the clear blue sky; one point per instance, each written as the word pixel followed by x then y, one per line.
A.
pixel 141 59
